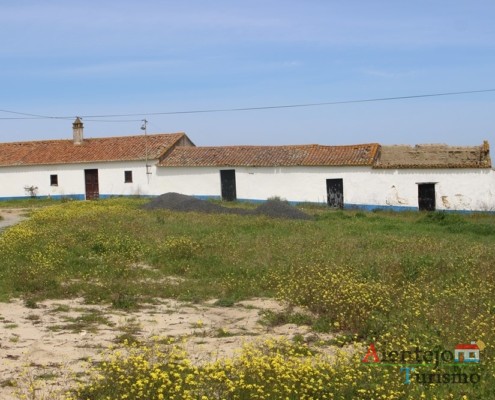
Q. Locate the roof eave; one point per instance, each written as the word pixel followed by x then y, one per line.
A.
pixel 77 162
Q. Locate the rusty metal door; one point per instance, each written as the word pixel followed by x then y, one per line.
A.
pixel 92 186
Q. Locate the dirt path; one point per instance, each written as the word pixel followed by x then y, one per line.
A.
pixel 11 216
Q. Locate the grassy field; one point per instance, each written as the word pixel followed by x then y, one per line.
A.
pixel 399 281
pixel 29 203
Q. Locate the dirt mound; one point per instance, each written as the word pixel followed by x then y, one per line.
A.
pixel 280 209
pixel 181 202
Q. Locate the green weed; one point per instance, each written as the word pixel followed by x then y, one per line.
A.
pixel 401 279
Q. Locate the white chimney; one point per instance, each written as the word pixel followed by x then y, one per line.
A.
pixel 77 131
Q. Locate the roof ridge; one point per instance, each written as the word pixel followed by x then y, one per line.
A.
pixel 140 135
pixel 88 138
pixel 312 145
pixel 349 145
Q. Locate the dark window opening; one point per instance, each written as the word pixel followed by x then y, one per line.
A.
pixel 53 180
pixel 335 193
pixel 426 196
pixel 227 178
pixel 128 176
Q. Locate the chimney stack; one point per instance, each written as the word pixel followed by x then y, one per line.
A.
pixel 77 131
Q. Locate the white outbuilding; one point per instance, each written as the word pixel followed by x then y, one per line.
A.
pixel 365 176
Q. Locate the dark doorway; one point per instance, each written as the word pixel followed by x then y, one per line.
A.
pixel 91 180
pixel 227 179
pixel 335 193
pixel 426 196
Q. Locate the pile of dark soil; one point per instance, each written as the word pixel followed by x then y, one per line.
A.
pixel 280 209
pixel 181 202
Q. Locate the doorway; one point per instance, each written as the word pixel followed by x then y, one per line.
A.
pixel 91 181
pixel 335 193
pixel 227 179
pixel 426 196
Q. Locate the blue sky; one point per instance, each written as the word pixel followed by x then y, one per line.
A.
pixel 68 58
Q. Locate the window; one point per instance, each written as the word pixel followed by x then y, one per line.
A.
pixel 128 176
pixel 53 180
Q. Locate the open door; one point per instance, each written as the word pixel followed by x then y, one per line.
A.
pixel 426 196
pixel 335 193
pixel 227 179
pixel 92 187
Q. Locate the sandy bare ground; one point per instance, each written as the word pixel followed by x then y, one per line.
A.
pixel 11 216
pixel 60 336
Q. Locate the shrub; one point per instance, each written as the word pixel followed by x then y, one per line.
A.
pixel 338 293
pixel 268 370
pixel 180 247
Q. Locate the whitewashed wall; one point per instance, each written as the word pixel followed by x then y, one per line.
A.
pixel 456 189
pixel 71 179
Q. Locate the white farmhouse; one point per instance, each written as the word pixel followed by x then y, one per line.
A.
pixel 84 168
pixel 365 176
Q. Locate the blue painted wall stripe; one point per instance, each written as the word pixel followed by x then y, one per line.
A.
pixel 347 206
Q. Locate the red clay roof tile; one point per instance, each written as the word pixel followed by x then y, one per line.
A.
pixel 122 148
pixel 270 156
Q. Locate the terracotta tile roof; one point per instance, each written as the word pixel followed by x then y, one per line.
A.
pixel 122 148
pixel 434 156
pixel 270 156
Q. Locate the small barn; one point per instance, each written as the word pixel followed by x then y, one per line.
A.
pixel 84 168
pixel 436 177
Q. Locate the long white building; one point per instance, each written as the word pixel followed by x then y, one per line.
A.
pixel 367 176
